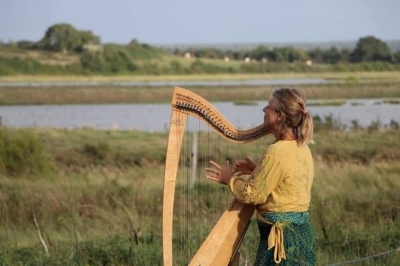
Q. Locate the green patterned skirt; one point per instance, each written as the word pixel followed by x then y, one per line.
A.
pixel 299 240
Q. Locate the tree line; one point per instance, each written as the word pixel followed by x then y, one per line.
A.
pixel 369 54
pixel 368 49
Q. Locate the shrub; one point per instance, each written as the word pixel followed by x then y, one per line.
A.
pixel 22 153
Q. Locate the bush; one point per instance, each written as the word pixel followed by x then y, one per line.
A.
pixel 22 153
pixel 15 66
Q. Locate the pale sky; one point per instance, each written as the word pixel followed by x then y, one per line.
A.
pixel 205 21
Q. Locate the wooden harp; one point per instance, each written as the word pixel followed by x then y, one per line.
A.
pixel 222 243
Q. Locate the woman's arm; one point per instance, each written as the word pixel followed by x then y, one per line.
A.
pixel 261 183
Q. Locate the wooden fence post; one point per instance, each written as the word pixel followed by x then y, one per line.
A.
pixel 193 165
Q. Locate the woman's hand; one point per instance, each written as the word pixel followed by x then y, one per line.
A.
pixel 244 167
pixel 219 174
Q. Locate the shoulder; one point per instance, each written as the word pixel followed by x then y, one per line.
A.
pixel 272 154
pixel 286 149
pixel 281 147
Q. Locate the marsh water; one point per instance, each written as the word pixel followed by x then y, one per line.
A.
pixel 156 117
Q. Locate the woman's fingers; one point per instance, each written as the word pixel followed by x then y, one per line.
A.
pixel 213 178
pixel 237 173
pixel 238 164
pixel 219 174
pixel 212 170
pixel 216 165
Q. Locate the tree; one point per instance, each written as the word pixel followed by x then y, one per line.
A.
pixel 260 52
pixel 177 52
pixel 371 49
pixel 345 55
pixel 298 55
pixel 87 37
pixel 26 44
pixel 331 56
pixel 64 37
pixel 396 56
pixel 118 59
pixel 133 44
pixel 315 55
pixel 283 54
pixel 93 62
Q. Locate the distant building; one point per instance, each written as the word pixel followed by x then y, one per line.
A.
pixel 12 43
pixel 93 47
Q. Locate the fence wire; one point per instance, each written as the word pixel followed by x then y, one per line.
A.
pixel 366 258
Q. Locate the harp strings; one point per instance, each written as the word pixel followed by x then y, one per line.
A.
pixel 199 204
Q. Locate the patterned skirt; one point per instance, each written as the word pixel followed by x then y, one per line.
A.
pixel 299 240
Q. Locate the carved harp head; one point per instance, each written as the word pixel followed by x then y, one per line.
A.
pixel 184 104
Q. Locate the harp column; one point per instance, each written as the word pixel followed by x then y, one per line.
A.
pixel 176 132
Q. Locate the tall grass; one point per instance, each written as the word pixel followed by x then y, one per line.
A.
pixel 350 77
pixel 22 154
pixel 115 94
pixel 100 202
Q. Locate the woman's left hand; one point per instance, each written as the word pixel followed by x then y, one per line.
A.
pixel 219 174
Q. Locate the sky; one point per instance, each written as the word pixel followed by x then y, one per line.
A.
pixel 205 21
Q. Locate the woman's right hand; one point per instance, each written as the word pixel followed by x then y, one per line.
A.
pixel 244 167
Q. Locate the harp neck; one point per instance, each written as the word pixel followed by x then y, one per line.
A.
pixel 193 104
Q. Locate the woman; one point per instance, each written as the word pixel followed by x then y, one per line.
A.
pixel 280 185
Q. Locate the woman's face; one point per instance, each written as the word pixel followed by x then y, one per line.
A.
pixel 270 115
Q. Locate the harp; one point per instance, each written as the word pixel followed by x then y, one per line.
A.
pixel 221 245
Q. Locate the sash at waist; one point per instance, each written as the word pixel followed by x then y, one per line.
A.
pixel 278 220
pixel 284 217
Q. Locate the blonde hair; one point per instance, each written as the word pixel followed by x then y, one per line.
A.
pixel 291 103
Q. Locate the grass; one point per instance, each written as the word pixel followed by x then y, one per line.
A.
pixel 43 57
pixel 101 201
pixel 245 103
pixel 356 104
pixel 335 76
pixel 110 94
pixel 186 62
pixel 337 102
pixel 392 101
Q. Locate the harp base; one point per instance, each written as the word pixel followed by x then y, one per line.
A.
pixel 225 238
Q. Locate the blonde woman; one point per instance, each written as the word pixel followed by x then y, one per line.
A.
pixel 280 184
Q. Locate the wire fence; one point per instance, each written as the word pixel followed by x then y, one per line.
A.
pixel 366 258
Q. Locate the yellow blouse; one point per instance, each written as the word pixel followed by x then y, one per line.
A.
pixel 281 182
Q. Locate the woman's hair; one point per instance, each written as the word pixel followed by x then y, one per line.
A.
pixel 291 103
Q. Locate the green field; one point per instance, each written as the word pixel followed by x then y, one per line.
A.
pixel 113 94
pixel 340 76
pixel 97 196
